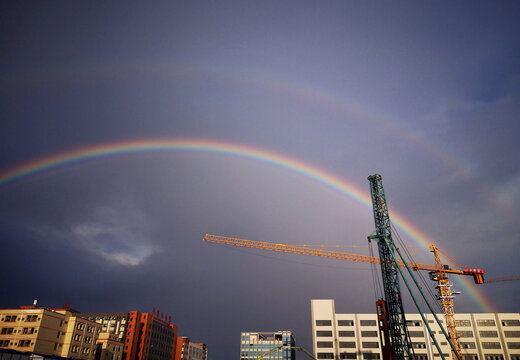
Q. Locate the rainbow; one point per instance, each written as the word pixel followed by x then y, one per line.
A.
pixel 312 172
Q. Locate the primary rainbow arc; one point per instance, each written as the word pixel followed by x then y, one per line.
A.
pixel 225 148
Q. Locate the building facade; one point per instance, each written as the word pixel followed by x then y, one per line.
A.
pixel 149 338
pixel 486 336
pixel 53 332
pixel 112 323
pixel 188 350
pixel 109 347
pixel 256 344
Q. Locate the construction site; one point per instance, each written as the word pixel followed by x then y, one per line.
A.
pixel 394 273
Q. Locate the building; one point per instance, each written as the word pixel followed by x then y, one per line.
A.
pixel 109 347
pixel 149 338
pixel 52 332
pixel 256 344
pixel 486 336
pixel 188 350
pixel 113 323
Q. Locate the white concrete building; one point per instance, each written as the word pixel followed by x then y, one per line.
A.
pixel 484 336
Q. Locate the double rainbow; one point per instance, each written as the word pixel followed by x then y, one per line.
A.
pixel 224 148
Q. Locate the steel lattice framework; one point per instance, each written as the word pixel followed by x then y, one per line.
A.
pixel 400 344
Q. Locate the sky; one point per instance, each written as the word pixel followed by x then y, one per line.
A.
pixel 427 94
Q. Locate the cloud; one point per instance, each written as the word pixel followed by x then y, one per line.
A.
pixel 113 242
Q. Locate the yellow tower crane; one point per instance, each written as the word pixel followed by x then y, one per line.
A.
pixel 438 272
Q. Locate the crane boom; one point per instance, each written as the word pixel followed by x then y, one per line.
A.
pixel 304 250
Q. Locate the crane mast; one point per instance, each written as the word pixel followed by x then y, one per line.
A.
pixel 400 344
pixel 446 299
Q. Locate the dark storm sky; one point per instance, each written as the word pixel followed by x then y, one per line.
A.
pixel 424 93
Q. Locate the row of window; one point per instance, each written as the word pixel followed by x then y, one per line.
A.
pixel 347 355
pixel 348 344
pixel 342 333
pixel 13 318
pixel 76 349
pixel 480 322
pixel 25 330
pixel 346 323
pixel 20 343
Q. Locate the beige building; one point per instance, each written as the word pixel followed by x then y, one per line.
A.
pixel 109 347
pixel 49 332
pixel 485 336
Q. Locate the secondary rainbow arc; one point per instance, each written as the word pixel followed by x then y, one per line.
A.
pixel 225 148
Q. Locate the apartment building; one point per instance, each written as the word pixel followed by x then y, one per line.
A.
pixel 188 350
pixel 256 344
pixel 111 322
pixel 486 336
pixel 109 347
pixel 53 332
pixel 149 338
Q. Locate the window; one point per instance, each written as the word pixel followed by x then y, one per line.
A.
pixel 512 333
pixel 371 356
pixel 347 344
pixel 348 356
pixel 465 334
pixel 413 323
pixel 88 339
pixel 323 323
pixel 80 326
pixel 325 356
pixel 4 343
pixel 416 333
pixel 75 348
pixel 510 322
pixel 370 344
pixel 515 357
pixel 28 330
pixel 491 345
pixel 369 333
pixel 486 322
pixel 467 345
pixel 494 357
pixel 367 322
pixel 513 345
pixel 345 322
pixel 31 318
pixel 324 344
pixel 6 331
pixel 419 345
pixel 462 322
pixel 77 337
pixel 470 357
pixel 320 333
pixel 420 357
pixel 86 350
pixel 488 334
pixel 346 333
pixel 10 318
pixel 24 343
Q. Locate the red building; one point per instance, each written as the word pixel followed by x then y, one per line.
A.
pixel 149 337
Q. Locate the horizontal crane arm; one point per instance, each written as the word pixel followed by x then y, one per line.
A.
pixel 303 250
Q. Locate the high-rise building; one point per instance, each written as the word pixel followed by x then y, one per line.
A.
pixel 188 350
pixel 59 332
pixel 149 338
pixel 483 336
pixel 256 344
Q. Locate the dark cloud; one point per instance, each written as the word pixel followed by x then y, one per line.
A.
pixel 425 94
